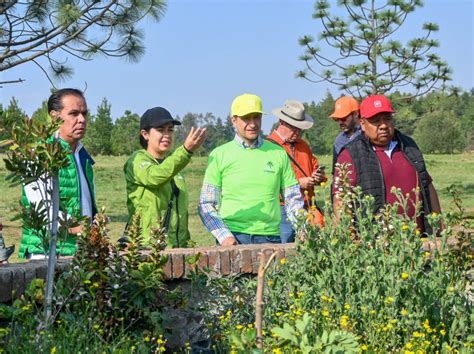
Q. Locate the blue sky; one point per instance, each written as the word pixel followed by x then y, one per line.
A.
pixel 204 53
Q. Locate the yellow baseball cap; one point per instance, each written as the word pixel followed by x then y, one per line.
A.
pixel 245 104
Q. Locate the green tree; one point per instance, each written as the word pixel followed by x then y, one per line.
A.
pixel 369 59
pixel 42 114
pixel 99 131
pixel 43 32
pixel 321 136
pixel 440 132
pixel 125 134
pixel 13 114
pixel 189 120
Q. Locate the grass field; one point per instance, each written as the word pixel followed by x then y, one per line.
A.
pixel 110 186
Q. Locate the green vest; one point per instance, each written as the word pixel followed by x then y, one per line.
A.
pixel 149 192
pixel 69 202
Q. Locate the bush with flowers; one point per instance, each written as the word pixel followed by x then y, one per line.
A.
pixel 109 300
pixel 365 284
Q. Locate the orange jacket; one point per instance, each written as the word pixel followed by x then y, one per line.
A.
pixel 302 154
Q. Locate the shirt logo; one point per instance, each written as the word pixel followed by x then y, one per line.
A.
pixel 269 167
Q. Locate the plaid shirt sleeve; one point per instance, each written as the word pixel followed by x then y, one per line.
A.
pixel 293 202
pixel 209 202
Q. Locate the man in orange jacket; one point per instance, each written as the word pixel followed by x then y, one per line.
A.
pixel 293 120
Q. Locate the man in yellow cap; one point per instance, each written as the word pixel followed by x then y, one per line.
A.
pixel 346 113
pixel 239 201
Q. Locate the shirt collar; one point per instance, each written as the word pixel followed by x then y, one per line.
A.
pixel 79 146
pixel 258 143
pixel 356 132
pixel 389 150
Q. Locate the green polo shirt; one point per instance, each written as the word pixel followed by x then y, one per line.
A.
pixel 251 181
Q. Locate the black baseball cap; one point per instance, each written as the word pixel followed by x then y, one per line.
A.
pixel 156 117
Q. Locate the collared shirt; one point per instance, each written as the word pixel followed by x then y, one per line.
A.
pixel 343 139
pixel 86 198
pixel 211 196
pixel 397 172
pixel 209 203
pixel 301 152
pixel 257 143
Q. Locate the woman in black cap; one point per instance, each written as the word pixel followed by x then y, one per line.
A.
pixel 155 188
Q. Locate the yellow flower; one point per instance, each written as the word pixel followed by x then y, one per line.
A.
pixel 389 300
pixel 323 184
pixel 96 326
pixel 372 312
pixel 417 232
pixel 405 276
pixel 417 334
pixel 147 339
pixel 364 347
pixel 344 321
pixel 283 261
pixel 239 327
pixel 451 289
pixel 276 351
pixel 408 345
pixel 405 227
pixel 87 281
pixel 347 306
pixel 270 282
pixel 278 314
pixel 325 313
pixel 442 332
pixel 300 294
pixel 53 350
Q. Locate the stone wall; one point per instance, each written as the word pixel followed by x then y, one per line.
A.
pixel 221 261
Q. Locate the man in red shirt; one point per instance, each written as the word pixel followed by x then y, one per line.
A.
pixel 383 158
pixel 293 120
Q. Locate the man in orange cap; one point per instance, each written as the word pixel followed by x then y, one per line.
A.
pixel 346 113
pixel 384 158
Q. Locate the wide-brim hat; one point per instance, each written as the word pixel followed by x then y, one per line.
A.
pixel 293 113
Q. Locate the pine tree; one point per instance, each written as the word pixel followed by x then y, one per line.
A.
pixel 99 131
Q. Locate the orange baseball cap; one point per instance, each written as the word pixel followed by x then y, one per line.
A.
pixel 344 106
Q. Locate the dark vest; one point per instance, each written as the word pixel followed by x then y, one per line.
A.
pixel 369 170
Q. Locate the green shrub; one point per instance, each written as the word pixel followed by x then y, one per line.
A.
pixel 364 285
pixel 109 300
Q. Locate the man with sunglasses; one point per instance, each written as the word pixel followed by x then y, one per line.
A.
pixel 383 158
pixel 292 121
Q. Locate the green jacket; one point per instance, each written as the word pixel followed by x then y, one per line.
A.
pixel 69 202
pixel 149 192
